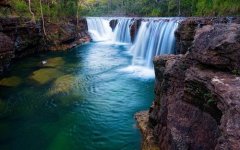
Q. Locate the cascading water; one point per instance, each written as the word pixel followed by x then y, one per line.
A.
pixel 99 29
pixel 122 31
pixel 155 37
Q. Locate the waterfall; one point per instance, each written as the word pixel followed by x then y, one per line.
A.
pixel 155 37
pixel 122 31
pixel 99 28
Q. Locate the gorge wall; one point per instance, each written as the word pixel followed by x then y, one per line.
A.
pixel 21 37
pixel 197 94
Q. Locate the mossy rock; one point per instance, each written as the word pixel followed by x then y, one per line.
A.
pixel 54 62
pixel 61 141
pixel 45 75
pixel 12 81
pixel 69 100
pixel 63 84
pixel 3 106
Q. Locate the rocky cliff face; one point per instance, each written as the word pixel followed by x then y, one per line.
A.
pixel 187 29
pixel 63 36
pixel 197 95
pixel 20 37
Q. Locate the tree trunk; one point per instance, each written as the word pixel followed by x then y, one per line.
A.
pixel 30 10
pixel 77 12
pixel 43 23
pixel 179 7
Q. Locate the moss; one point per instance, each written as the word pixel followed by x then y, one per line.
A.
pixel 12 81
pixel 43 76
pixel 203 98
pixel 62 84
pixel 209 100
pixel 3 106
pixel 236 72
pixel 54 62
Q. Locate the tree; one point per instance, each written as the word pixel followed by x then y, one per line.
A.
pixel 30 10
pixel 43 22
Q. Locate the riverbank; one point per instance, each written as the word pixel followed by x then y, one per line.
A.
pixel 20 37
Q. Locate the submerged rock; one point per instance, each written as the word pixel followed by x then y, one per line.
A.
pixel 12 81
pixel 63 84
pixel 43 76
pixel 3 106
pixel 53 62
pixel 69 100
pixel 20 37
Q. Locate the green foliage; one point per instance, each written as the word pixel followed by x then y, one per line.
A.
pixel 236 72
pixel 161 7
pixel 57 10
pixel 20 7
pixel 54 10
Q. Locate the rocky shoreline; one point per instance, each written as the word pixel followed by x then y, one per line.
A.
pixel 19 37
pixel 197 93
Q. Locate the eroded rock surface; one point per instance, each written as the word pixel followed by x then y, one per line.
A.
pixel 6 51
pixel 20 37
pixel 188 27
pixel 197 95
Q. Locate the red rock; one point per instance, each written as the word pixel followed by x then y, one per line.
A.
pixel 218 46
pixel 197 95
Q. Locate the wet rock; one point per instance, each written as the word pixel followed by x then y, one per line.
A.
pixel 53 62
pixel 10 81
pixel 43 76
pixel 3 107
pixel 63 84
pixel 136 23
pixel 113 23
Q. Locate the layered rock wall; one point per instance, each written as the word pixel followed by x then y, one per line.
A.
pixel 20 37
pixel 188 26
pixel 197 95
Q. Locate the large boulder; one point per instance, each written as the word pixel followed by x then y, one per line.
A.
pixel 218 46
pixel 188 27
pixel 197 98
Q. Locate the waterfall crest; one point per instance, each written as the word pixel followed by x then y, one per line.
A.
pixel 99 28
pixel 155 37
pixel 122 31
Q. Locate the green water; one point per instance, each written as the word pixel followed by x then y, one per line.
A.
pixel 79 100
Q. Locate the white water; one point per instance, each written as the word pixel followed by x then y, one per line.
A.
pixel 122 31
pixel 99 29
pixel 155 37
